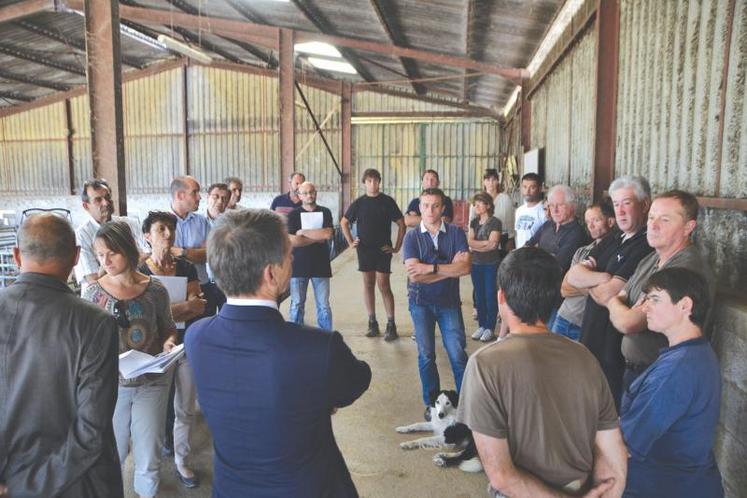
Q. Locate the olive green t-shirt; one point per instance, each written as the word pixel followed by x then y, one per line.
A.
pixel 547 396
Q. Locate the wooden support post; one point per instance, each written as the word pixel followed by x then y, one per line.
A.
pixel 526 117
pixel 69 147
pixel 104 71
pixel 287 106
pixel 608 33
pixel 346 125
pixel 185 110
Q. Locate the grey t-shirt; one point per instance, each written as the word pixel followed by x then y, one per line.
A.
pixel 643 348
pixel 572 308
pixel 482 232
pixel 512 391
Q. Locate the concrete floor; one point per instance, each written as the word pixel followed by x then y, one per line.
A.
pixel 365 430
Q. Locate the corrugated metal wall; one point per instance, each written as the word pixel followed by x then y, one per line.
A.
pixel 460 152
pixel 33 156
pixel 234 127
pixel 312 157
pixel 563 117
pixel 81 140
pixel 364 101
pixel 154 131
pixel 669 97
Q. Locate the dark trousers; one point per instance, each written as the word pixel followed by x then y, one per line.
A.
pixel 214 297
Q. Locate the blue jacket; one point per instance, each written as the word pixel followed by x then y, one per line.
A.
pixel 267 389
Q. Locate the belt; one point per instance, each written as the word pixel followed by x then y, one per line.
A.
pixel 636 367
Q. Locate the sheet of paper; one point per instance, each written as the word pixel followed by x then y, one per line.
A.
pixel 133 363
pixel 311 221
pixel 177 288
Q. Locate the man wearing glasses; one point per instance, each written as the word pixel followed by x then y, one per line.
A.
pixel 309 228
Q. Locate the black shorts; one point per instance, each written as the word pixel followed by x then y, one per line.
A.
pixel 371 259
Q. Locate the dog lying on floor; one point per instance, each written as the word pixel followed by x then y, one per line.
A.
pixel 447 432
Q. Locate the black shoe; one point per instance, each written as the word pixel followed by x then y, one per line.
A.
pixel 189 482
pixel 373 329
pixel 167 449
pixel 391 332
pixel 427 414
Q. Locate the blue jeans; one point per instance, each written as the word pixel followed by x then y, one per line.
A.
pixel 486 294
pixel 451 324
pixel 564 327
pixel 298 287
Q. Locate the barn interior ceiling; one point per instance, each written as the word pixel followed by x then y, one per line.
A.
pixel 471 51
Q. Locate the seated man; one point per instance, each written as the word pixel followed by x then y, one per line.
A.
pixel 539 433
pixel 670 412
pixel 268 387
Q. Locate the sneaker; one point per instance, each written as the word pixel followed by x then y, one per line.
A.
pixel 391 332
pixel 478 333
pixel 373 329
pixel 427 414
pixel 188 482
pixel 413 337
pixel 487 335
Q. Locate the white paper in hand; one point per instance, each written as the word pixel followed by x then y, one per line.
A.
pixel 177 289
pixel 133 364
pixel 311 221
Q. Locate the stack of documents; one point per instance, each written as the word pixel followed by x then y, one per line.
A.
pixel 133 363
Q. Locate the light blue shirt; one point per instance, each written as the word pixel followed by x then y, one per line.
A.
pixel 192 233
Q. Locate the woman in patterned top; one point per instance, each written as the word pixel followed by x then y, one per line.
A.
pixel 141 306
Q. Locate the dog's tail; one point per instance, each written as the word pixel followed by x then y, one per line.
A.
pixel 472 465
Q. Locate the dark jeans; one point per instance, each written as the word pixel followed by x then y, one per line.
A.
pixel 486 294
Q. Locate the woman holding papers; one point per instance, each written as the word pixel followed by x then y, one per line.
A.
pixel 159 230
pixel 141 306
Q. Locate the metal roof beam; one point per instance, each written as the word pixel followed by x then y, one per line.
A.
pixel 20 78
pixel 261 55
pixel 78 45
pixel 40 58
pixel 207 45
pixel 395 36
pixel 25 8
pixel 468 45
pixel 325 27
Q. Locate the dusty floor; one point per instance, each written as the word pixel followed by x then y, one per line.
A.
pixel 365 431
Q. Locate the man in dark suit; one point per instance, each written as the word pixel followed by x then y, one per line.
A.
pixel 268 387
pixel 58 375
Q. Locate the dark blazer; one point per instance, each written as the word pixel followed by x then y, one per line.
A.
pixel 58 388
pixel 267 389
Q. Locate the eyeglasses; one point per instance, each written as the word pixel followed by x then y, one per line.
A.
pixel 120 313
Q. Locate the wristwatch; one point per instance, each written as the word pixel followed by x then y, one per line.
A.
pixel 435 268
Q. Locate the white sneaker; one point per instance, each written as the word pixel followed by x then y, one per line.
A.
pixel 478 333
pixel 487 335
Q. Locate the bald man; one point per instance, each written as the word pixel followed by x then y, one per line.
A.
pixel 58 375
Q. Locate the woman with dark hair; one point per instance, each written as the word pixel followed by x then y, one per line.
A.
pixel 484 240
pixel 141 306
pixel 159 231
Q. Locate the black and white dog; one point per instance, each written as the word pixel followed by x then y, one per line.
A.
pixel 447 432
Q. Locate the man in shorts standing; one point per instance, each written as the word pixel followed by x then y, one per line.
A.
pixel 374 214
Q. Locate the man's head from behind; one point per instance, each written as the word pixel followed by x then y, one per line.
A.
pixel 46 244
pixel 529 285
pixel 250 254
pixel 97 200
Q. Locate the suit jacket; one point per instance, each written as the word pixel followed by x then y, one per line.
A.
pixel 267 388
pixel 58 388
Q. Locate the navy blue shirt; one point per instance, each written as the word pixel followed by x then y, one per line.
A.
pixel 668 420
pixel 561 243
pixel 414 207
pixel 283 204
pixel 419 244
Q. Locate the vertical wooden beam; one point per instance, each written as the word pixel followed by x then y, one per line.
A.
pixel 69 146
pixel 185 110
pixel 608 52
pixel 526 117
pixel 104 72
pixel 287 106
pixel 346 124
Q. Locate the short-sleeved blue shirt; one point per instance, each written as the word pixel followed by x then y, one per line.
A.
pixel 668 420
pixel 414 207
pixel 419 244
pixel 192 233
pixel 283 204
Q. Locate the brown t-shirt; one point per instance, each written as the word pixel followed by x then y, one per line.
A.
pixel 547 396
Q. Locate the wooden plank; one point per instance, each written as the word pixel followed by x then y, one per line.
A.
pixel 723 203
pixel 25 8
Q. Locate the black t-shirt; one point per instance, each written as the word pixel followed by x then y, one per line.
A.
pixel 620 259
pixel 311 260
pixel 374 216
